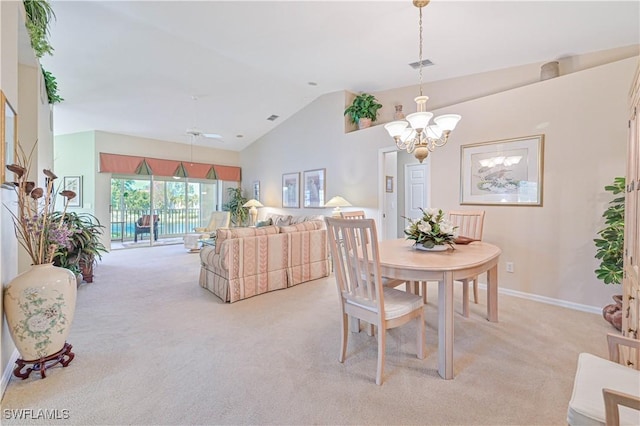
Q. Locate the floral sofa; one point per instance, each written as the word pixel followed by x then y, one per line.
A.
pixel 246 262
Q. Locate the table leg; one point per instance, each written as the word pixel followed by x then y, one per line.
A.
pixel 445 326
pixel 492 294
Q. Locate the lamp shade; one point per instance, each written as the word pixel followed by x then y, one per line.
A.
pixel 337 201
pixel 252 203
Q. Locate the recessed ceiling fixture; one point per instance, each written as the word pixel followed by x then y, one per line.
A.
pixel 415 134
pixel 425 63
pixel 273 117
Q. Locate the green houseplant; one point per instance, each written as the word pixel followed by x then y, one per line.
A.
pixel 609 247
pixel 85 246
pixel 363 110
pixel 235 206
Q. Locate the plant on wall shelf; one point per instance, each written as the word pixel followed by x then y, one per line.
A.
pixel 52 87
pixel 235 206
pixel 363 110
pixel 609 247
pixel 39 16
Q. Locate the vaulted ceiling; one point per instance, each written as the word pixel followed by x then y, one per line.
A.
pixel 133 67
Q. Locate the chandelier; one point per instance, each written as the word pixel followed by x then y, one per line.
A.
pixel 415 134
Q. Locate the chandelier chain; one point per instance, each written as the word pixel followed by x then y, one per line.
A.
pixel 420 51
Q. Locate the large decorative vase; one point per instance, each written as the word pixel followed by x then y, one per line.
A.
pixel 613 313
pixel 39 305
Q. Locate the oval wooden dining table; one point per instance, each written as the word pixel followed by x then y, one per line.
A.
pixel 399 260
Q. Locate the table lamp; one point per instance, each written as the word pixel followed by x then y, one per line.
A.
pixel 337 202
pixel 253 212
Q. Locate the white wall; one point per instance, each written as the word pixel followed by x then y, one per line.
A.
pixel 583 115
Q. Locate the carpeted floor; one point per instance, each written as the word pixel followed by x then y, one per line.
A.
pixel 153 347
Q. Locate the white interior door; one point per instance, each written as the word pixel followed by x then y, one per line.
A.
pixel 416 180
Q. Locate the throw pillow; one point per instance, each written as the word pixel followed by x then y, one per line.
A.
pixel 261 223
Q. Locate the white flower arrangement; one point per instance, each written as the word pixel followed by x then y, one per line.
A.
pixel 432 229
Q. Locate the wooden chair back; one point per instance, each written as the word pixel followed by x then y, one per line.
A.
pixel 354 250
pixel 469 222
pixel 357 214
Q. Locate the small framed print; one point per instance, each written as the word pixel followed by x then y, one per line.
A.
pixel 506 172
pixel 314 188
pixel 291 190
pixel 389 183
pixel 74 183
pixel 256 190
pixel 8 135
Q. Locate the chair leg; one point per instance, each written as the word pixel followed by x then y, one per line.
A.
pixel 475 290
pixel 424 291
pixel 382 337
pixel 345 334
pixel 465 298
pixel 422 350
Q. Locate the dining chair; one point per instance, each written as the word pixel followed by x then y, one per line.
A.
pixel 469 224
pixel 354 247
pixel 607 391
pixel 356 214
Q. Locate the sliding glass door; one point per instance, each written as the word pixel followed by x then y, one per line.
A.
pixel 181 205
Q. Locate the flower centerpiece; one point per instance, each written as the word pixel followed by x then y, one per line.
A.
pixel 431 230
pixel 40 303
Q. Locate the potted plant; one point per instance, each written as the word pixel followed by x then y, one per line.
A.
pixel 235 206
pixel 609 249
pixel 363 110
pixel 85 247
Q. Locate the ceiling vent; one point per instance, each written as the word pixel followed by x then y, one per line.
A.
pixel 273 117
pixel 425 63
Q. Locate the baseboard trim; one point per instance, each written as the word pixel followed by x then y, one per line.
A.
pixel 547 300
pixel 8 371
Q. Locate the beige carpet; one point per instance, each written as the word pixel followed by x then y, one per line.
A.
pixel 153 347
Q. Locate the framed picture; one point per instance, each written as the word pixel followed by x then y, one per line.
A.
pixel 314 188
pixel 74 183
pixel 389 183
pixel 291 190
pixel 505 172
pixel 256 190
pixel 8 135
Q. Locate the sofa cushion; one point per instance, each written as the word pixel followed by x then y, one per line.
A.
pixel 262 223
pixel 280 219
pixel 300 219
pixel 228 233
pixel 311 225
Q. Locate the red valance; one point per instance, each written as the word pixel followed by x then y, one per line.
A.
pixel 128 164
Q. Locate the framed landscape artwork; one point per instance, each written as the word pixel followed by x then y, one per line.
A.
pixel 504 172
pixel 314 188
pixel 291 190
pixel 74 183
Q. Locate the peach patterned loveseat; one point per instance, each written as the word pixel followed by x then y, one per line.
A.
pixel 246 262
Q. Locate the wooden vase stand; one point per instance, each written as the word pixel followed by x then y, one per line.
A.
pixel 64 356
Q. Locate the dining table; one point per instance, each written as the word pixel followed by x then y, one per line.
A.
pixel 399 259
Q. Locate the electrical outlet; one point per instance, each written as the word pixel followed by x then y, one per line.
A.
pixel 509 266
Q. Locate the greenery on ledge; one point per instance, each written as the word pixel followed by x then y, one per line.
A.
pixel 39 15
pixel 609 247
